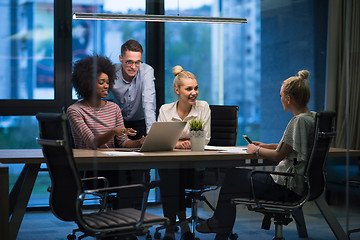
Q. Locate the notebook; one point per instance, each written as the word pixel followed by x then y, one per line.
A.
pixel 162 136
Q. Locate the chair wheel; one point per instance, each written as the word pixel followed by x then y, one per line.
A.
pixel 71 237
pixel 233 236
pixel 157 235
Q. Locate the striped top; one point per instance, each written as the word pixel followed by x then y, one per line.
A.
pixel 87 122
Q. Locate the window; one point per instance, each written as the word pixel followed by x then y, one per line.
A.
pixel 234 64
pixel 240 65
pixel 106 37
pixel 244 65
pixel 219 55
pixel 28 51
pixel 27 67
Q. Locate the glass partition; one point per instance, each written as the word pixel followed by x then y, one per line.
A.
pixel 225 58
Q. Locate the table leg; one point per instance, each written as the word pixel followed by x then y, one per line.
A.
pixel 4 202
pixel 19 197
pixel 330 218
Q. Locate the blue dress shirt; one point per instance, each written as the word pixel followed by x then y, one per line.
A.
pixel 137 99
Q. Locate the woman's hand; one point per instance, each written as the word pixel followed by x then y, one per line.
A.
pixel 135 143
pixel 251 148
pixel 131 132
pixel 268 151
pixel 141 140
pixel 124 131
pixel 183 144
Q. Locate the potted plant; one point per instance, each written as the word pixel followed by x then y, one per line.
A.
pixel 197 134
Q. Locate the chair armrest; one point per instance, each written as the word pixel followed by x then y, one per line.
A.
pixel 272 172
pixel 103 179
pixel 112 189
pixel 100 181
pixel 355 180
pixel 105 192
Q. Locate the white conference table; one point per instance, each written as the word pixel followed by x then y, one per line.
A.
pixel 89 159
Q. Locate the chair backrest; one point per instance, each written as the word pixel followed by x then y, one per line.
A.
pixel 55 140
pixel 324 131
pixel 224 123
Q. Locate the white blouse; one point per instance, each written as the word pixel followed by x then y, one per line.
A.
pixel 200 110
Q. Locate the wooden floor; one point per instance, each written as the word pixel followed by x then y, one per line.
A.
pixel 43 225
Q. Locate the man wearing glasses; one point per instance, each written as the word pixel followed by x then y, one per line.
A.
pixel 134 89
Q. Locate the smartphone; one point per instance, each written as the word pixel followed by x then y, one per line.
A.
pixel 247 139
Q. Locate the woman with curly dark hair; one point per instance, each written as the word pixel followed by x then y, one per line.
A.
pixel 94 120
pixel 96 123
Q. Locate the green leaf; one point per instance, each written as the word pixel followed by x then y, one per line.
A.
pixel 196 124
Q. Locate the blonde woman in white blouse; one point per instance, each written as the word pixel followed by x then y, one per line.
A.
pixel 174 181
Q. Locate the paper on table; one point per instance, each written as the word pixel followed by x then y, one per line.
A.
pixel 117 153
pixel 235 149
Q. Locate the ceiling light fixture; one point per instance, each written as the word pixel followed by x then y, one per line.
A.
pixel 157 18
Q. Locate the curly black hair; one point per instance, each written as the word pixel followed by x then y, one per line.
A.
pixel 83 70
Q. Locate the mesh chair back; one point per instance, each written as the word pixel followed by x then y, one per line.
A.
pixel 224 121
pixel 324 131
pixel 55 141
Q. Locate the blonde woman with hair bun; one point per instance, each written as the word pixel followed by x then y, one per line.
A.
pixel 172 181
pixel 298 89
pixel 187 106
pixel 291 154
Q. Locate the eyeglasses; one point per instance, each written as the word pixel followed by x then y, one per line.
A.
pixel 130 63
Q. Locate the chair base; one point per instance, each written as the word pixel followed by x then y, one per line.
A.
pixel 194 198
pixel 279 220
pixel 279 232
pixel 112 236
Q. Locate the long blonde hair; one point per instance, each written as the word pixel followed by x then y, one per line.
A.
pixel 298 88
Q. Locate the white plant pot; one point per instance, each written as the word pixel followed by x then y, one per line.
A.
pixel 197 140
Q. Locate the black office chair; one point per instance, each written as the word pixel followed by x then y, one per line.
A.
pixel 224 124
pixel 314 177
pixel 67 192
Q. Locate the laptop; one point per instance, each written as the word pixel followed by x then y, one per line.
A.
pixel 162 136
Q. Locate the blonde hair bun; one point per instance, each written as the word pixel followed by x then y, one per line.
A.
pixel 177 69
pixel 304 74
